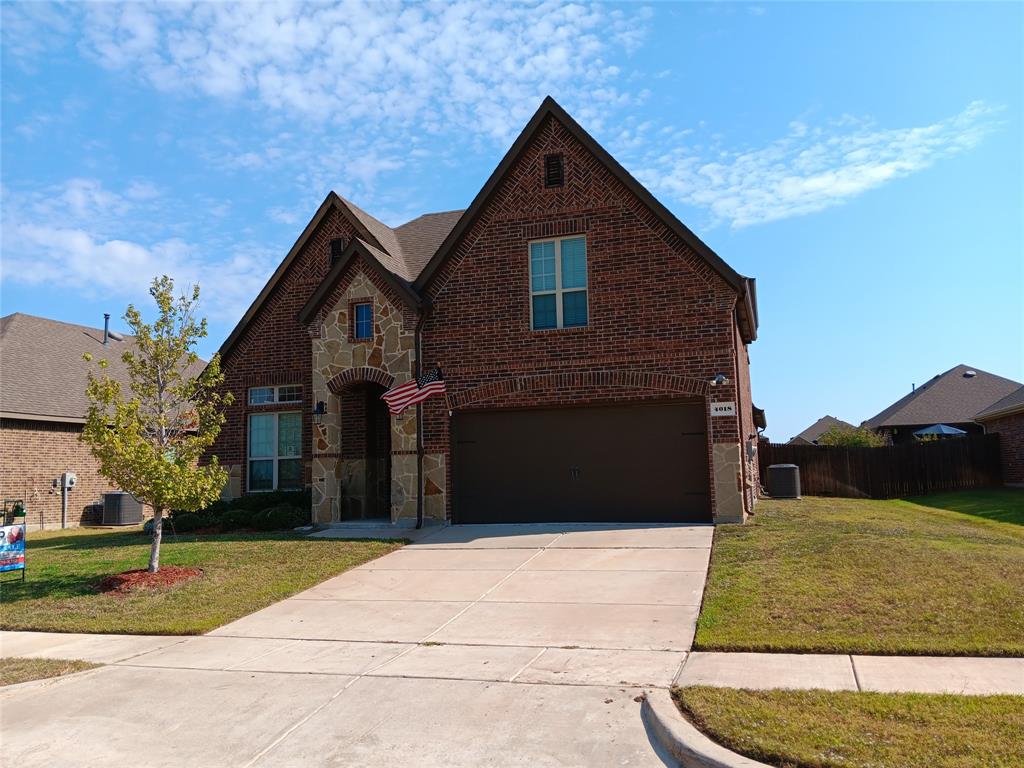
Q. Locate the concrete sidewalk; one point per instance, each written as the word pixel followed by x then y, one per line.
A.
pixel 842 672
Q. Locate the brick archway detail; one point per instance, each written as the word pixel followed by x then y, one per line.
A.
pixel 352 376
pixel 663 382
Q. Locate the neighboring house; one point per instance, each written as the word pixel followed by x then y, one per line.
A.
pixel 578 324
pixel 1006 418
pixel 952 398
pixel 810 435
pixel 42 411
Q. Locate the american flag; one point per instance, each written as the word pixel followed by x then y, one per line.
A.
pixel 414 391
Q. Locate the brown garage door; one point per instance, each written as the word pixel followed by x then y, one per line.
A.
pixel 635 463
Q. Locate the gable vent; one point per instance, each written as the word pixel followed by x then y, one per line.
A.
pixel 337 248
pixel 554 171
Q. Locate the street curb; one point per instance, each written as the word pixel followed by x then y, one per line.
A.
pixel 682 740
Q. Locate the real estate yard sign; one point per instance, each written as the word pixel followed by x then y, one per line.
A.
pixel 12 548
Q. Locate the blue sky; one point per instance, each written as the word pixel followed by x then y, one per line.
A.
pixel 862 161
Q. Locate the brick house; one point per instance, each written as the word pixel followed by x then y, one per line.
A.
pixel 1006 419
pixel 42 412
pixel 952 398
pixel 579 326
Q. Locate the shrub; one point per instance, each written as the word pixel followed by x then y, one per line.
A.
pixel 274 511
pixel 852 437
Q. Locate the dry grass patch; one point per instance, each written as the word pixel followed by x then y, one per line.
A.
pixel 15 670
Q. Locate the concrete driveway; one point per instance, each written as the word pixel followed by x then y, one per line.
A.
pixel 474 646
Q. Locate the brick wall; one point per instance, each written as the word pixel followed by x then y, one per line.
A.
pixel 32 455
pixel 655 306
pixel 1011 445
pixel 275 349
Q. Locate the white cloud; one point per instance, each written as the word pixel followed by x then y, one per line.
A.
pixel 381 65
pixel 810 168
pixel 75 237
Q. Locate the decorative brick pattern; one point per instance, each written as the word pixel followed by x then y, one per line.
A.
pixel 662 324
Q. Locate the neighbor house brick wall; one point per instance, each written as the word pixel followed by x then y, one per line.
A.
pixel 275 349
pixel 1011 445
pixel 32 455
pixel 655 306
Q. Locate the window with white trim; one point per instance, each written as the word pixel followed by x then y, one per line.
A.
pixel 291 393
pixel 558 283
pixel 275 451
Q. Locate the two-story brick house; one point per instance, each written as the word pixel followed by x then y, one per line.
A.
pixel 579 325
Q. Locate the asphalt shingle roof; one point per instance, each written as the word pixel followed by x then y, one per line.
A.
pixel 820 427
pixel 953 397
pixel 42 373
pixel 407 248
pixel 1012 401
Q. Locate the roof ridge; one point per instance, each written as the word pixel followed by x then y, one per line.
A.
pixel 7 318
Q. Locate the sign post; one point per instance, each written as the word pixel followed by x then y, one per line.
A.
pixel 12 538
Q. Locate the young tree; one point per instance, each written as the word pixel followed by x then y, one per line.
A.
pixel 852 437
pixel 149 440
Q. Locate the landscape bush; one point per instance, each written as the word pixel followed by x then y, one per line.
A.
pixel 274 511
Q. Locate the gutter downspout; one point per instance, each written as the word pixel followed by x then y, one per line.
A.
pixel 737 339
pixel 424 311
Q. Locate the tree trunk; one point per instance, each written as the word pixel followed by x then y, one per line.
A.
pixel 154 550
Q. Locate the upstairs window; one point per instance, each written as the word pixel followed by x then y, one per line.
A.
pixel 558 283
pixel 291 393
pixel 362 321
pixel 554 170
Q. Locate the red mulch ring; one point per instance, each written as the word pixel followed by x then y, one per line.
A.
pixel 133 581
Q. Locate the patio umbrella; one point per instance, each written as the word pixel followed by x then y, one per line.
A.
pixel 940 429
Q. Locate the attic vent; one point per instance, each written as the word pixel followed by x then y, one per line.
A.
pixel 970 374
pixel 554 171
pixel 337 248
pixel 115 335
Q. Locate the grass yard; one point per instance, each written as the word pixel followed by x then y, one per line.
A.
pixel 241 574
pixel 14 670
pixel 941 575
pixel 847 729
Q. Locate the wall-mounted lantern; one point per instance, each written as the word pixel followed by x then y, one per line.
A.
pixel 318 412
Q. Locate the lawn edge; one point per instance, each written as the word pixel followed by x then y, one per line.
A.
pixel 40 682
pixel 683 740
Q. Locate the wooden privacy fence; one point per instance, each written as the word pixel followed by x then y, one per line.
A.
pixel 907 469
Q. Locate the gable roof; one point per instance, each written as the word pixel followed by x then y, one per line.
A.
pixel 820 427
pixel 376 259
pixel 953 397
pixel 549 107
pixel 414 251
pixel 401 251
pixel 1012 403
pixel 44 375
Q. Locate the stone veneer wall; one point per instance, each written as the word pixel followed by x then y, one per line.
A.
pixel 340 361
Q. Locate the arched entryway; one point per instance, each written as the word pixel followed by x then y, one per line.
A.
pixel 365 488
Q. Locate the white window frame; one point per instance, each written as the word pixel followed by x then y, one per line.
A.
pixel 276 395
pixel 276 458
pixel 558 290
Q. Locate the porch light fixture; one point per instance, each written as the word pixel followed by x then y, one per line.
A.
pixel 318 412
pixel 719 379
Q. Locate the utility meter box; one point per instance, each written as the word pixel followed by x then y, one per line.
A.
pixel 69 480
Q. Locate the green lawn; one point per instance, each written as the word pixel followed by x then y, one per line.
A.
pixel 241 573
pixel 940 575
pixel 15 670
pixel 847 729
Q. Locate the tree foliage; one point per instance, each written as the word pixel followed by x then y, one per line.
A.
pixel 852 437
pixel 150 439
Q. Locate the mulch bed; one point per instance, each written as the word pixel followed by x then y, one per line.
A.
pixel 135 581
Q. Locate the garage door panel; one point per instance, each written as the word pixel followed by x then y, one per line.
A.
pixel 620 463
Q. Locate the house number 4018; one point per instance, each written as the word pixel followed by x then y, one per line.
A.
pixel 723 409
